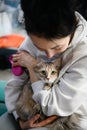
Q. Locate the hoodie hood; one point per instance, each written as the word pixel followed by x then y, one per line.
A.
pixel 81 31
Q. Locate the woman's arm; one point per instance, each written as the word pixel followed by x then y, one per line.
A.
pixel 33 124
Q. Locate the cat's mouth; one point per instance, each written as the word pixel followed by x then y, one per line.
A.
pixel 48 82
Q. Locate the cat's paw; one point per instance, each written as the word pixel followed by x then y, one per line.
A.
pixel 36 109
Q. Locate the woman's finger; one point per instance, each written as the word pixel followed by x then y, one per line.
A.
pixel 29 124
pixel 33 120
pixel 45 122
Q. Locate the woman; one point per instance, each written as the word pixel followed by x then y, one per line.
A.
pixel 54 30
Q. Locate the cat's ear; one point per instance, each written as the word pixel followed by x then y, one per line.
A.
pixel 36 68
pixel 40 61
pixel 39 65
pixel 57 63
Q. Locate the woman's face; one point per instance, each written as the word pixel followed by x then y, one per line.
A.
pixel 51 48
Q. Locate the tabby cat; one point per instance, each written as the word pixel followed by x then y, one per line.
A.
pixel 48 73
pixel 26 107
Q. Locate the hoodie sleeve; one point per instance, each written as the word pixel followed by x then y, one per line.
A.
pixel 13 89
pixel 14 86
pixel 68 95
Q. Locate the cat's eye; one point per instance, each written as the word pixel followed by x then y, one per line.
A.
pixel 53 72
pixel 43 72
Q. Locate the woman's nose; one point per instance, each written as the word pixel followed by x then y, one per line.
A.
pixel 50 53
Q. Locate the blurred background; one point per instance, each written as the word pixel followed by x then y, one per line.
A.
pixel 11 28
pixel 11 17
pixel 12 34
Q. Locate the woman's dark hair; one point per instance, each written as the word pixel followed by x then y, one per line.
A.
pixel 49 18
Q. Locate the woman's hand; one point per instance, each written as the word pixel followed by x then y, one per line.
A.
pixel 23 58
pixel 32 122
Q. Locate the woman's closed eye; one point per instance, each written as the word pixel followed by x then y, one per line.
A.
pixel 57 47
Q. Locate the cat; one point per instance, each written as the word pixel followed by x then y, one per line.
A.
pixel 48 73
pixel 26 107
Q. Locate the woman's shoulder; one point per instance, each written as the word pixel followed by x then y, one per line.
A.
pixel 26 43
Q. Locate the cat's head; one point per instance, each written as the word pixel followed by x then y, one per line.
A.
pixel 48 71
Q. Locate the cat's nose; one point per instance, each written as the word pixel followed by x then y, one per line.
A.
pixel 48 79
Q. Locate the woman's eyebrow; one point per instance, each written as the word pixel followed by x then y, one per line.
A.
pixel 37 47
pixel 55 47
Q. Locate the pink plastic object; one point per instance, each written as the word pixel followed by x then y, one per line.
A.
pixel 17 70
